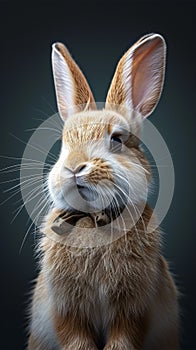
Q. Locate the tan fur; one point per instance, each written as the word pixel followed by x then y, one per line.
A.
pixel 82 92
pixel 101 288
pixel 116 94
pixel 135 281
pixel 141 54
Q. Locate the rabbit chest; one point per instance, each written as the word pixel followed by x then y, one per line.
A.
pixel 99 283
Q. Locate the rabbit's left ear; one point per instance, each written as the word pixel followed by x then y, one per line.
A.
pixel 72 89
pixel 139 76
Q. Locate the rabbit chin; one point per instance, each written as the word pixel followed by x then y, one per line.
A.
pixel 89 200
pixel 81 198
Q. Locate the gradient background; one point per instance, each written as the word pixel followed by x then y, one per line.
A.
pixel 97 34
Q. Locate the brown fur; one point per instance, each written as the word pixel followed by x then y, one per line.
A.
pixel 84 94
pixel 96 291
pixel 134 278
pixel 142 56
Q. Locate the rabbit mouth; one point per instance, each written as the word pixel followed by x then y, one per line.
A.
pixel 108 201
pixel 87 193
pixel 109 206
pixel 65 221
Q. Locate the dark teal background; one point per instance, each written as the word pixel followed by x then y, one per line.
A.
pixel 97 34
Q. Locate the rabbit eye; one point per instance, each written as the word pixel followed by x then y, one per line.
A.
pixel 115 144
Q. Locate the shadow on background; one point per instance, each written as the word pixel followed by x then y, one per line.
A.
pixel 97 34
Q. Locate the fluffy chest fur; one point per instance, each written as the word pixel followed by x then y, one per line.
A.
pixel 98 283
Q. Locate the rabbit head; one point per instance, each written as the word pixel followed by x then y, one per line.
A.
pixel 101 165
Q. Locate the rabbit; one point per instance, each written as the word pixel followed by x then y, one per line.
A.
pixel 98 288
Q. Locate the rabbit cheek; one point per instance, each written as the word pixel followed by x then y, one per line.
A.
pixel 58 185
pixel 101 172
pixel 131 179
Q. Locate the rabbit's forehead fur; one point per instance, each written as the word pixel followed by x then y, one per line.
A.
pixel 89 125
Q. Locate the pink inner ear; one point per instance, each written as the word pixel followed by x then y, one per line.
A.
pixel 147 75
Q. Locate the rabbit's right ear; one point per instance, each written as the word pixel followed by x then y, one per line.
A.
pixel 72 89
pixel 139 76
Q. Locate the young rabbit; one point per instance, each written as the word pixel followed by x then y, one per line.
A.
pixel 103 282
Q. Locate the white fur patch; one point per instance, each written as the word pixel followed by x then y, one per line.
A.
pixel 41 325
pixel 63 83
pixel 127 81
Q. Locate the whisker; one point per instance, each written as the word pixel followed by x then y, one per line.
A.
pixel 29 228
pixel 46 128
pixel 53 122
pixel 140 166
pixel 24 204
pixel 22 158
pixel 129 210
pixel 29 181
pixel 49 104
pixel 35 148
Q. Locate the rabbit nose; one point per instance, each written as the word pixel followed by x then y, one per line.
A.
pixel 76 170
